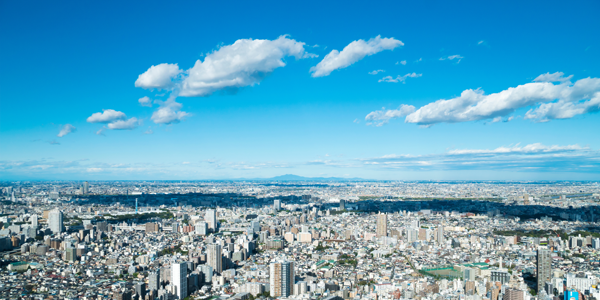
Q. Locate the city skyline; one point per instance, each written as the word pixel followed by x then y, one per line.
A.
pixel 385 91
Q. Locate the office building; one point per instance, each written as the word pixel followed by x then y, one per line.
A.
pixel 201 228
pixel 86 188
pixel 281 279
pixel 55 221
pixel 179 277
pixel 513 294
pixel 211 218
pixel 342 204
pixel 207 271
pixel 544 270
pixel 34 221
pixel 439 235
pixel 215 257
pixel 154 281
pixel 381 225
pixel 277 205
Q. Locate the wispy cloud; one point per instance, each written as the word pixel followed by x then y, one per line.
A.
pixel 458 58
pixel 352 53
pixel 538 157
pixel 400 78
pixel 66 129
pixel 375 72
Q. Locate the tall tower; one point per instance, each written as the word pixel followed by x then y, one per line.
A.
pixel 55 221
pixel 179 276
pixel 154 281
pixel 215 257
pixel 440 235
pixel 86 187
pixel 381 225
pixel 544 267
pixel 34 221
pixel 282 279
pixel 136 211
pixel 211 218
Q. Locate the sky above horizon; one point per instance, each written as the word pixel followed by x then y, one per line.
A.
pixel 385 90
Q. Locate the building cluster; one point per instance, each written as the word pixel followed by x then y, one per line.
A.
pixel 211 240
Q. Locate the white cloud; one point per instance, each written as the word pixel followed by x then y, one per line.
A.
pixel 145 101
pixel 382 117
pixel 536 156
pixel 472 105
pixel 528 149
pixel 554 77
pixel 419 60
pixel 401 62
pixel 124 124
pixel 375 72
pixel 100 132
pixel 169 112
pixel 480 42
pixel 452 57
pixel 68 128
pixel 400 78
pixel 158 77
pixel 149 131
pixel 106 116
pixel 352 53
pixel 244 63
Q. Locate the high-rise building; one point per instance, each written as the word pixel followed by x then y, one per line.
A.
pixel 140 289
pixel 277 205
pixel 179 277
pixel 282 279
pixel 544 267
pixel 201 228
pixel 439 235
pixel 342 204
pixel 34 221
pixel 211 218
pixel 86 188
pixel 208 273
pixel 154 281
pixel 381 225
pixel 215 257
pixel 55 221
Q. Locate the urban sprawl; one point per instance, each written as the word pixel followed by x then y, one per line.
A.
pixel 146 240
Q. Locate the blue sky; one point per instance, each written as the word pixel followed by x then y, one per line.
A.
pixel 240 90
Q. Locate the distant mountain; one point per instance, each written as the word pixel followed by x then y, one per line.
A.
pixel 291 177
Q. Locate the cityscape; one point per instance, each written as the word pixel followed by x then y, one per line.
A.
pixel 300 240
pixel 313 150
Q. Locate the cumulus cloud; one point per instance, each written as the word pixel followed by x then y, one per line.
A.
pixel 244 63
pixel 68 128
pixel 554 77
pixel 352 53
pixel 145 101
pixel 169 112
pixel 158 77
pixel 375 72
pixel 106 116
pixel 382 117
pixel 123 124
pixel 548 101
pixel 399 78
pixel 401 62
pixel 452 57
